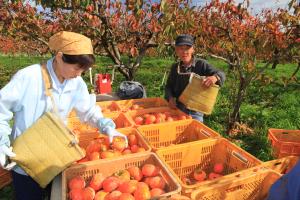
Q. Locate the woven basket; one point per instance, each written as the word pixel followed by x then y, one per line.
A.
pixel 197 97
pixel 45 149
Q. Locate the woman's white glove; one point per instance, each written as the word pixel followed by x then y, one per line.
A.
pixel 5 152
pixel 111 133
pixel 104 123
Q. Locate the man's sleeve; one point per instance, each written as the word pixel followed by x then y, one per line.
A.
pixel 212 71
pixel 170 83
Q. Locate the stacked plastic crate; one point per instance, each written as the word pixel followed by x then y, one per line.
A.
pixel 181 147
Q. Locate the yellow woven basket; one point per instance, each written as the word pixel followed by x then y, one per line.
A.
pixel 45 149
pixel 198 97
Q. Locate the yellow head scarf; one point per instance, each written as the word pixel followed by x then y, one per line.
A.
pixel 70 43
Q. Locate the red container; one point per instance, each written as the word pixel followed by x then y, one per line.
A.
pixel 284 142
pixel 5 177
pixel 103 83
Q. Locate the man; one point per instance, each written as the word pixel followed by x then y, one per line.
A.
pixel 177 82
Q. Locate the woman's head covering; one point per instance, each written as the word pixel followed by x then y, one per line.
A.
pixel 70 43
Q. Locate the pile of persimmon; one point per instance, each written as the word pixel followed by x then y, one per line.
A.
pixel 156 118
pixel 199 175
pixel 133 183
pixel 134 107
pixel 100 148
pixel 109 108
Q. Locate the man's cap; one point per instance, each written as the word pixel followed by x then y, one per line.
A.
pixel 184 39
pixel 70 43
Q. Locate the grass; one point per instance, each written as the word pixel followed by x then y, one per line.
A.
pixel 265 106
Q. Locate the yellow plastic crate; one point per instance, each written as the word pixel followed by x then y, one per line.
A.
pixel 248 185
pixel 178 132
pixel 282 165
pixel 183 159
pixel 108 167
pixel 107 107
pixel 143 103
pixel 85 132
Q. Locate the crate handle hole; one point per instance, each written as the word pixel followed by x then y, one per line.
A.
pixel 240 157
pixel 277 163
pixel 232 189
pixel 205 133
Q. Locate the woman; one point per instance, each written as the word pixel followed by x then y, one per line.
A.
pixel 24 98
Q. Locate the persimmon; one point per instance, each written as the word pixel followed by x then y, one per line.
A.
pixel 126 151
pixel 94 156
pixel 199 175
pixel 218 168
pixel 76 183
pixel 157 182
pixel 135 173
pixel 88 193
pixel 107 154
pixel 123 175
pixel 134 148
pixel 76 194
pixel 128 186
pixel 114 195
pixel 126 196
pixel 96 182
pixel 100 195
pixel 110 183
pixel 118 143
pixel 150 119
pixel 155 192
pixel 150 170
pixel 135 107
pixel 132 139
pixel 142 192
pixel 138 120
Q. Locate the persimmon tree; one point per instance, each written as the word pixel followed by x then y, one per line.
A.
pixel 229 32
pixel 30 30
pixel 126 30
pixel 123 30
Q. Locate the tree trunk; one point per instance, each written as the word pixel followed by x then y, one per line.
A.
pixel 235 115
pixel 127 72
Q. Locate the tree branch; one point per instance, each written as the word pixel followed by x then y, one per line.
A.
pixel 218 57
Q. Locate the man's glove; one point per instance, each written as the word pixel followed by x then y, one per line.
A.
pixel 104 123
pixel 5 152
pixel 111 133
